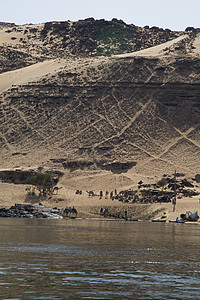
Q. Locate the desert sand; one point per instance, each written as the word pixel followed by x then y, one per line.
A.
pixel 31 73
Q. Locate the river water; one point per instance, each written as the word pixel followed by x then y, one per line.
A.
pixel 88 259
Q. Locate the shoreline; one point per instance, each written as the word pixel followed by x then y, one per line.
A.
pixel 89 206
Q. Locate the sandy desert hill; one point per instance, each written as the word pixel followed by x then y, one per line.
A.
pixel 98 95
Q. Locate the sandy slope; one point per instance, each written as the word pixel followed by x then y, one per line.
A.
pixel 30 73
pixel 154 51
pixel 196 44
pixel 6 38
pixel 13 37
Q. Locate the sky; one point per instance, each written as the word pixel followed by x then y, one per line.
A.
pixel 172 14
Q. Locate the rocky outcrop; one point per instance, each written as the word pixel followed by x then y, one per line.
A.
pixel 101 37
pixel 12 59
pixel 21 177
pixel 90 37
pixel 31 211
pixel 197 178
pixel 116 166
pixel 17 176
pixel 6 25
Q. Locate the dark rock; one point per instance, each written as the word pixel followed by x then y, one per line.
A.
pixel 179 174
pixel 186 183
pixel 197 178
pixel 31 211
pixel 174 186
pixel 112 166
pixel 189 29
pixel 118 166
pixel 21 177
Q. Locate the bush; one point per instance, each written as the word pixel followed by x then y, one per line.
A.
pixel 42 181
pixel 161 183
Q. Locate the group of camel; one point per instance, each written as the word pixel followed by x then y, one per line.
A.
pixel 43 192
pixel 70 212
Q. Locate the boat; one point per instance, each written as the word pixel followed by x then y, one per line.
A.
pixel 176 221
pixel 159 220
pixel 133 220
pixel 190 216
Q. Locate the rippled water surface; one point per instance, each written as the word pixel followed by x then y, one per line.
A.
pixel 87 259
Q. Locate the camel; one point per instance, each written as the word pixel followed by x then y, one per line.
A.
pixel 90 193
pixel 56 188
pixel 70 212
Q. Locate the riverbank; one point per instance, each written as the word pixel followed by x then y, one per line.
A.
pixel 90 206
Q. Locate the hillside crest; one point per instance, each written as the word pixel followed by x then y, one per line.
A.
pixel 99 94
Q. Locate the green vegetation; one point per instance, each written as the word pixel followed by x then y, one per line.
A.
pixel 113 38
pixel 162 183
pixel 42 181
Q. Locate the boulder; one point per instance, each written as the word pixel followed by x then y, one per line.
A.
pixel 197 178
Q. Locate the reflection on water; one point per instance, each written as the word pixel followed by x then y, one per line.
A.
pixel 85 259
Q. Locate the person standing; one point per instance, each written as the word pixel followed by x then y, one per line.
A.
pixel 126 214
pixel 174 203
pixel 101 195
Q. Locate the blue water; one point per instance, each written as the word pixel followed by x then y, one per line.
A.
pixel 87 259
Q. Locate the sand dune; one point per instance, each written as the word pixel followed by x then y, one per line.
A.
pixel 30 73
pixel 156 50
